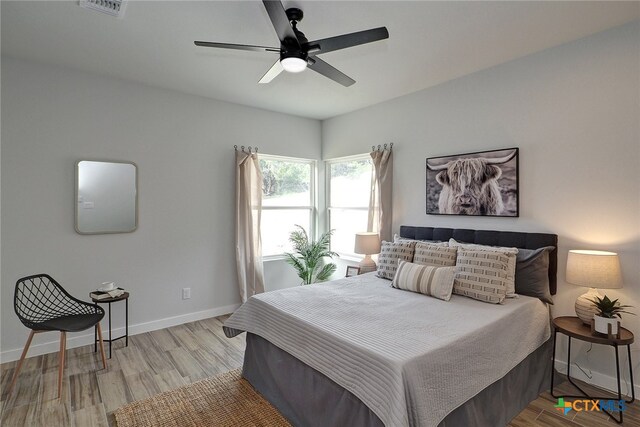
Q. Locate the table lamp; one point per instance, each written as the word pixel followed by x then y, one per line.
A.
pixel 594 269
pixel 367 244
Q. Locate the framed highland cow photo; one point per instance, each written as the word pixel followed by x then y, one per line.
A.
pixel 477 184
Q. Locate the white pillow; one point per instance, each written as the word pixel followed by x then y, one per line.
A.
pixel 433 281
pixel 510 252
pixel 481 275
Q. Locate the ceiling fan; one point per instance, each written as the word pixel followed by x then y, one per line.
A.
pixel 298 53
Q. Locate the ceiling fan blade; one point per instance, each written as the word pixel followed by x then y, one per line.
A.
pixel 281 23
pixel 319 66
pixel 273 72
pixel 348 40
pixel 237 46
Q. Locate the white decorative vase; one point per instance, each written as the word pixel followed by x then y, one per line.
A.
pixel 602 324
pixel 585 309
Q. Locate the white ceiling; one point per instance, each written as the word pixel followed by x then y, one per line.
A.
pixel 430 43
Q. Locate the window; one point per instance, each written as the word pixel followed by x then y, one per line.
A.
pixel 288 194
pixel 348 192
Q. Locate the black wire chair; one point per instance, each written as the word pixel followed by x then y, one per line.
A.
pixel 43 305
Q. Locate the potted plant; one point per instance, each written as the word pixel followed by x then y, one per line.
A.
pixel 308 256
pixel 607 314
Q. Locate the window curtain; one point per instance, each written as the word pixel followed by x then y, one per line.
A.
pixel 381 192
pixel 248 211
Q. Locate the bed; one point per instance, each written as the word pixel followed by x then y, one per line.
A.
pixel 357 352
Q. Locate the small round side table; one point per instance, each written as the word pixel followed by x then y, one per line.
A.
pixel 124 297
pixel 573 327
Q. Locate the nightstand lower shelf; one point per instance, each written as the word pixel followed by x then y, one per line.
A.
pixel 110 340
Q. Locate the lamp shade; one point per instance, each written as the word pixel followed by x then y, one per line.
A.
pixel 594 269
pixel 367 243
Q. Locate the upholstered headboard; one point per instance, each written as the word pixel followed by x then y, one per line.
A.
pixel 492 238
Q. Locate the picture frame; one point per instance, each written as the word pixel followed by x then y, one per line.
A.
pixel 483 183
pixel 352 270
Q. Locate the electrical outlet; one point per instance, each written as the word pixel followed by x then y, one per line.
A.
pixel 186 293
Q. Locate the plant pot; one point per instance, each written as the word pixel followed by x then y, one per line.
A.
pixel 602 324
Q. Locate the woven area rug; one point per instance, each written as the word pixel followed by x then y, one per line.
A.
pixel 224 400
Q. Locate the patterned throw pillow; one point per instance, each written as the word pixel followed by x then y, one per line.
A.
pixel 429 280
pixel 434 254
pixel 390 253
pixel 481 275
pixel 510 252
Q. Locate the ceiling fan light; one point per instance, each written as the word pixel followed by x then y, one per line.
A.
pixel 293 64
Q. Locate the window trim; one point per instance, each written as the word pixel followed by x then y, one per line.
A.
pixel 329 208
pixel 313 208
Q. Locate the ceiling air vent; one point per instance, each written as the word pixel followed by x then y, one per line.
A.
pixel 110 7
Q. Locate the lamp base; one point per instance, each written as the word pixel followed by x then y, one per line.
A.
pixel 367 265
pixel 585 309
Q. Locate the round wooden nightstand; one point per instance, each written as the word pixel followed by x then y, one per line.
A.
pixel 124 297
pixel 573 327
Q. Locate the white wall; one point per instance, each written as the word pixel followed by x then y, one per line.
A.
pixel 183 146
pixel 574 111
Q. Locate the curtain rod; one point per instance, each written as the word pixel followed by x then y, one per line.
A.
pixel 249 149
pixel 383 147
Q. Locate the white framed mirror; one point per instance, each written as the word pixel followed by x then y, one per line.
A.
pixel 106 197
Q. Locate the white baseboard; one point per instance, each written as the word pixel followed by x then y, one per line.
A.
pixel 87 338
pixel 601 380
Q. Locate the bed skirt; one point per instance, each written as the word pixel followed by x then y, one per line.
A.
pixel 308 398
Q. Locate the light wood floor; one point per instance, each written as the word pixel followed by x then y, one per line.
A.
pixel 162 360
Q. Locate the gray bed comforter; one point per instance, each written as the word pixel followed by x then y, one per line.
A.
pixel 410 358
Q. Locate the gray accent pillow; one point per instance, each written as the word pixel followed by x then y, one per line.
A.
pixel 532 273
